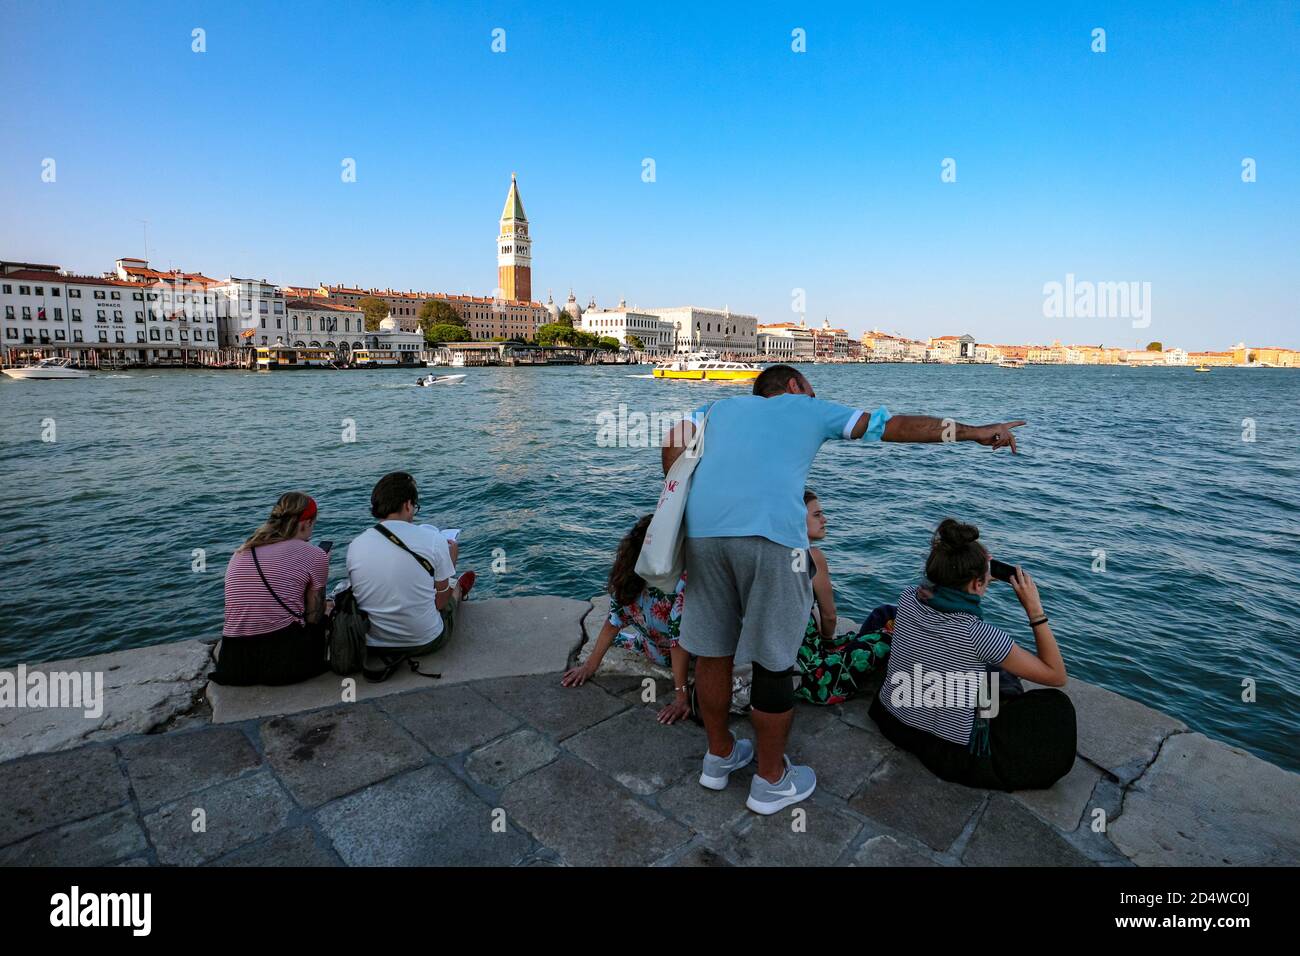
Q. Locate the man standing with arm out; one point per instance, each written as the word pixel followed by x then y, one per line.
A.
pixel 746 558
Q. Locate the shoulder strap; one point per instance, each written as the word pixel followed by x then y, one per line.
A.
pixel 267 584
pixel 424 562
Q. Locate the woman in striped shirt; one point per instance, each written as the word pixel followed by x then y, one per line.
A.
pixel 946 697
pixel 275 601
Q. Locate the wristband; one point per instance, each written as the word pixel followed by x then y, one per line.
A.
pixel 1038 620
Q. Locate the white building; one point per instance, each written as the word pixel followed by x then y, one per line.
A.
pixel 657 336
pixel 785 342
pixel 727 332
pixel 318 323
pixel 392 337
pixel 96 320
pixel 254 313
pixel 174 314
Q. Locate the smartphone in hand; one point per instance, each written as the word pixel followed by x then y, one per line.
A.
pixel 1001 570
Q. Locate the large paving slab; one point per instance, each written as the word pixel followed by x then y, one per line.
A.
pixel 1009 835
pixel 1204 803
pixel 812 833
pixel 98 841
pixel 501 637
pixel 325 754
pixel 423 818
pixel 639 752
pixel 163 767
pixel 588 819
pixel 1063 803
pixel 843 757
pixel 449 720
pixel 297 846
pixel 53 789
pixel 142 690
pixel 885 850
pixel 506 760
pixel 904 796
pixel 541 701
pixel 205 825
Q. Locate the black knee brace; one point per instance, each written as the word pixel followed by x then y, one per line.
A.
pixel 772 692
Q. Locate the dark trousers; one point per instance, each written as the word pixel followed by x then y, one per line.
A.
pixel 1032 742
pixel 287 656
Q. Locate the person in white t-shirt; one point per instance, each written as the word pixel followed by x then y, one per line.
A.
pixel 403 575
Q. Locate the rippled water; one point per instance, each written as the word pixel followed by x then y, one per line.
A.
pixel 1199 528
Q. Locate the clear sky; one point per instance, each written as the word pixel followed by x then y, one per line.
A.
pixel 774 170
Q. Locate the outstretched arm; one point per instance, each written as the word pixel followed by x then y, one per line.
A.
pixel 923 428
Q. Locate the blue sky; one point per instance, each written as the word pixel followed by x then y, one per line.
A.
pixel 775 170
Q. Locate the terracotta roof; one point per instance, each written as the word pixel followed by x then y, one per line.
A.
pixel 318 304
pixel 38 275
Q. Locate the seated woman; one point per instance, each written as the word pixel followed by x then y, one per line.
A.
pixel 1018 742
pixel 275 601
pixel 642 619
pixel 831 670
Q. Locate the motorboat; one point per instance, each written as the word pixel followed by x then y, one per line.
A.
pixel 1202 368
pixel 49 368
pixel 705 366
pixel 431 379
pixel 1011 363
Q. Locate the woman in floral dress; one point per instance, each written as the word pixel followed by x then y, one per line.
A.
pixel 642 619
pixel 832 668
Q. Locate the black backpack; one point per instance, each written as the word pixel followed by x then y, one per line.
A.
pixel 348 628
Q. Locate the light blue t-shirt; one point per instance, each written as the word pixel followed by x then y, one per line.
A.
pixel 757 452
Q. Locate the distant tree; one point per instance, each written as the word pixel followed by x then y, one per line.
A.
pixel 446 332
pixel 436 312
pixel 1155 347
pixel 376 311
pixel 607 343
pixel 634 342
pixel 557 333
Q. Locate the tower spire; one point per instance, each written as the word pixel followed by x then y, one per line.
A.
pixel 514 249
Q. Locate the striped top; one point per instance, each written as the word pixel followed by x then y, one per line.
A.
pixel 957 648
pixel 290 567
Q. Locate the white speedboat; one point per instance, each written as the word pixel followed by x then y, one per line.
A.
pixel 438 380
pixel 47 369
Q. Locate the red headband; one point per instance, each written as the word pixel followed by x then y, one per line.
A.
pixel 308 512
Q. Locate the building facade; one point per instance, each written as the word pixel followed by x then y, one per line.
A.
pixel 253 314
pixel 785 342
pixel 316 323
pixel 657 336
pixel 726 332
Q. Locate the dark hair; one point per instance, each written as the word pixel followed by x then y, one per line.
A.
pixel 391 492
pixel 624 583
pixel 956 556
pixel 809 495
pixel 775 379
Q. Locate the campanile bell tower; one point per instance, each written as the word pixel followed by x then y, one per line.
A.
pixel 514 250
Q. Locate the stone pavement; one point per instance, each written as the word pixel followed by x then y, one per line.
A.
pixel 517 770
pixel 520 771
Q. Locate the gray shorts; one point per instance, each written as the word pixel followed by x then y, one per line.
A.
pixel 745 597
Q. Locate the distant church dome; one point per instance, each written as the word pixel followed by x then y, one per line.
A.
pixel 552 309
pixel 572 306
pixel 388 324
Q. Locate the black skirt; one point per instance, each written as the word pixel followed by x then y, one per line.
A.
pixel 287 656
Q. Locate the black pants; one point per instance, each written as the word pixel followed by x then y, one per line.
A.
pixel 1032 742
pixel 287 656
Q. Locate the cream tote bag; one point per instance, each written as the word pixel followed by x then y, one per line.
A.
pixel 660 561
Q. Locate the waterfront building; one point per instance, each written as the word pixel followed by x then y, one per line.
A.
pixel 952 348
pixel 785 342
pixel 1264 355
pixel 1212 358
pixel 103 320
pixel 830 344
pixel 319 323
pixel 253 313
pixel 729 333
pixel 883 347
pixel 657 336
pixel 514 250
pixel 182 313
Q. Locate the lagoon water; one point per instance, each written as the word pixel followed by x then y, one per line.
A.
pixel 1199 529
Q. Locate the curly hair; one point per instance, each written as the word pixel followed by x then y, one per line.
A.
pixel 624 583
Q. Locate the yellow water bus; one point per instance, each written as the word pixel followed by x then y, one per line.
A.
pixel 707 367
pixel 283 357
pixel 374 358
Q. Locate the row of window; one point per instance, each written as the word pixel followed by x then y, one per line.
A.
pixel 119 336
pixel 115 294
pixel 99 315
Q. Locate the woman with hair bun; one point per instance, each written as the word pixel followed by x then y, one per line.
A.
pixel 275 599
pixel 940 698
